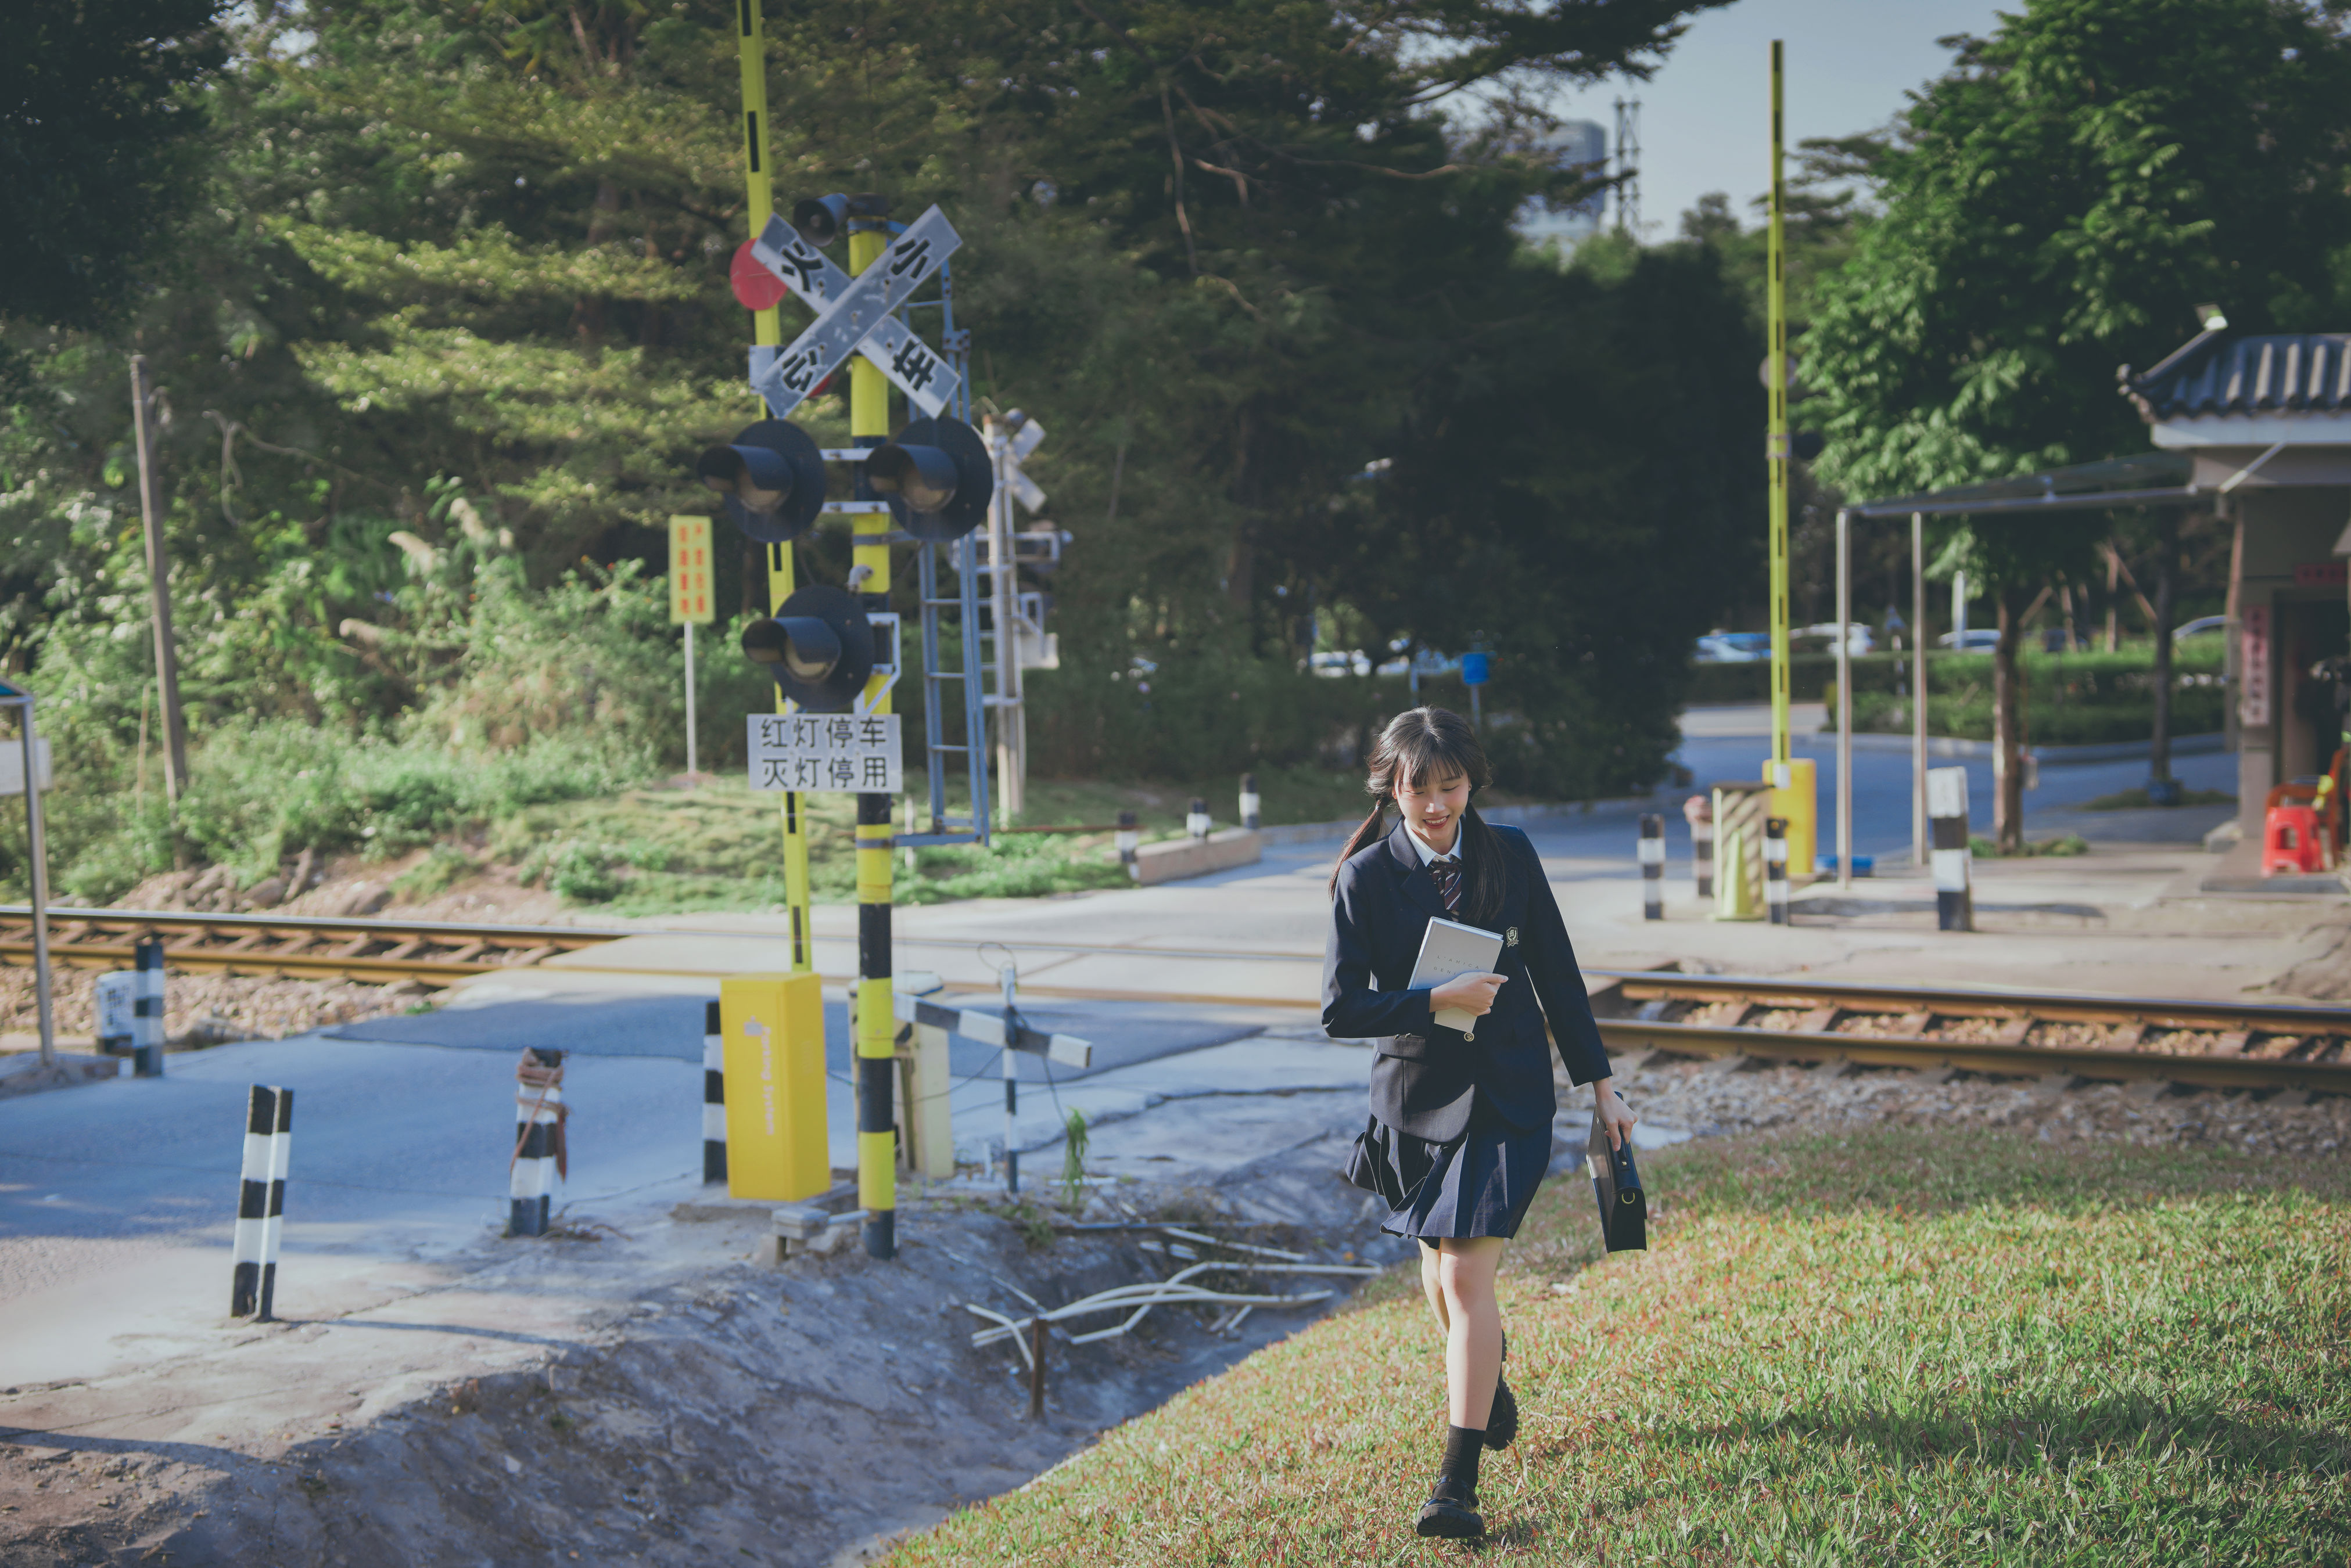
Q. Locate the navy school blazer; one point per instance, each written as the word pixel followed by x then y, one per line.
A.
pixel 1425 1079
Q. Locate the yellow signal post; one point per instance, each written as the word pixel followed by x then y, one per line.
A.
pixel 751 47
pixel 1793 795
pixel 877 1023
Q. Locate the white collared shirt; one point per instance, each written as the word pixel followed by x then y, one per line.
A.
pixel 1429 857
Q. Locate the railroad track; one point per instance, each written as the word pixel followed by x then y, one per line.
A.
pixel 2253 1046
pixel 2215 1044
pixel 378 952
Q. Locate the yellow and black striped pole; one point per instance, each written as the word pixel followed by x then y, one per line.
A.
pixel 751 49
pixel 877 1023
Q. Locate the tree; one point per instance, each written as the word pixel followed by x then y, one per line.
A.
pixel 97 146
pixel 2058 202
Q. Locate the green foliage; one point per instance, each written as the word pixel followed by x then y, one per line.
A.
pixel 2072 844
pixel 1074 1158
pixel 443 865
pixel 451 315
pixel 2059 203
pixel 97 144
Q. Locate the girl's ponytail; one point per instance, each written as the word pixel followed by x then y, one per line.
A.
pixel 1367 834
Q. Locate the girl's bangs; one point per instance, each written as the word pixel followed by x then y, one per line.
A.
pixel 1425 757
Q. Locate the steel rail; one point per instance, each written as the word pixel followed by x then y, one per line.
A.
pixel 305 946
pixel 2252 1045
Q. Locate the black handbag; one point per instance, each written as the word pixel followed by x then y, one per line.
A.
pixel 1617 1183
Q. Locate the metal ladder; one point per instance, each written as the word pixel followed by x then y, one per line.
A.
pixel 939 752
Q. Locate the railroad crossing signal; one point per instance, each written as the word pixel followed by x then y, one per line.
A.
pixel 772 478
pixel 855 315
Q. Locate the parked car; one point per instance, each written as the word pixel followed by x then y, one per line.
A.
pixel 1981 640
pixel 1733 647
pixel 2201 626
pixel 1334 664
pixel 1858 638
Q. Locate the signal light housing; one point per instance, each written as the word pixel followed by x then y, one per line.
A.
pixel 818 648
pixel 937 477
pixel 771 477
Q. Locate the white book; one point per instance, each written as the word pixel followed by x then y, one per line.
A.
pixel 1449 948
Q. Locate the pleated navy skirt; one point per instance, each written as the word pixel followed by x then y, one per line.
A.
pixel 1477 1185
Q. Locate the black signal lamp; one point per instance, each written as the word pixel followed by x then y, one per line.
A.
pixel 819 218
pixel 771 477
pixel 937 477
pixel 818 648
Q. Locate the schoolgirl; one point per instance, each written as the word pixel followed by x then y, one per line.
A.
pixel 1459 1132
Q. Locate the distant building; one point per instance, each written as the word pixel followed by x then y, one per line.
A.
pixel 1578 146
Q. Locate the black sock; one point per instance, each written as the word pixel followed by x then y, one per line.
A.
pixel 1458 1479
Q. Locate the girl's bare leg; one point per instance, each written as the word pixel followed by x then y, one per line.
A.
pixel 1465 1267
pixel 1431 1287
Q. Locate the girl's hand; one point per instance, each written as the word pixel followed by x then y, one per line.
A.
pixel 1470 993
pixel 1614 1114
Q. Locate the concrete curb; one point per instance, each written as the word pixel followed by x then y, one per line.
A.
pixel 1174 859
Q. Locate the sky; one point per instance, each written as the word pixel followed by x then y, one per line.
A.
pixel 1705 113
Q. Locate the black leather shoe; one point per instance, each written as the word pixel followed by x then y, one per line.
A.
pixel 1447 1520
pixel 1503 1420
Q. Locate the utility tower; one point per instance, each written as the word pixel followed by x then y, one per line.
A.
pixel 1628 166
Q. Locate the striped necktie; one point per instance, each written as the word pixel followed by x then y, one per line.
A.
pixel 1447 873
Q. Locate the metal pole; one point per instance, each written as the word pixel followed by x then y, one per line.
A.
pixel 158 579
pixel 692 762
pixel 1008 646
pixel 36 851
pixel 877 1023
pixel 1845 696
pixel 1919 690
pixel 1775 448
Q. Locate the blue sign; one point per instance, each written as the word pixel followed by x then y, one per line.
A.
pixel 1473 669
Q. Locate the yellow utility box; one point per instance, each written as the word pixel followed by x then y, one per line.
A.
pixel 772 1026
pixel 1796 799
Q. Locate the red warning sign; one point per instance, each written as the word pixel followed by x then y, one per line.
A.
pixel 755 288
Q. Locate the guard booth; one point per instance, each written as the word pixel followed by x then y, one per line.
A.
pixel 2266 424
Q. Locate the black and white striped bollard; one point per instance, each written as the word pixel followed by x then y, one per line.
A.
pixel 1946 839
pixel 147 1010
pixel 1129 841
pixel 539 1153
pixel 1252 807
pixel 1008 980
pixel 1195 821
pixel 1700 812
pixel 1775 869
pixel 714 1097
pixel 261 1202
pixel 1653 867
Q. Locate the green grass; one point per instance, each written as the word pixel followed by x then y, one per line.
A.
pixel 645 852
pixel 2136 799
pixel 1910 1347
pixel 2072 843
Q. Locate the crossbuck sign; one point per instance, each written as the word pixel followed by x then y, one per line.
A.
pixel 854 316
pixel 826 751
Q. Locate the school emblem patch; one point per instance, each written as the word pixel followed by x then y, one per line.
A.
pixel 1510 937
